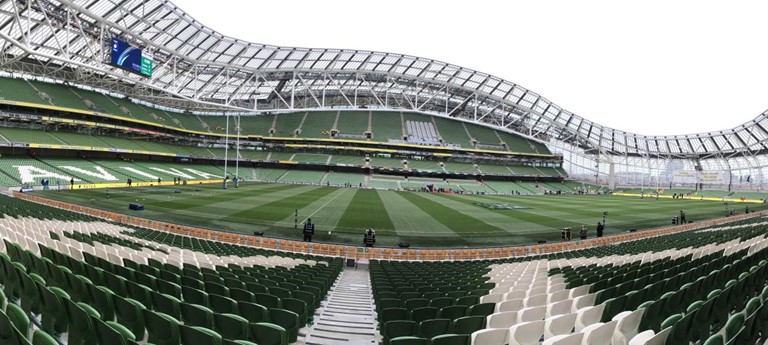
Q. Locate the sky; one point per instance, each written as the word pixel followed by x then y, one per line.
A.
pixel 651 67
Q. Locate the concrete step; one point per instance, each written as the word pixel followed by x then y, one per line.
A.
pixel 348 315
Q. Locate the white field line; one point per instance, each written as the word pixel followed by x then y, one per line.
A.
pixel 324 205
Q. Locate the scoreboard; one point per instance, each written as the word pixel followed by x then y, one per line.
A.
pixel 132 59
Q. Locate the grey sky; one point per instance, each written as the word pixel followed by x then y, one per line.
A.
pixel 651 67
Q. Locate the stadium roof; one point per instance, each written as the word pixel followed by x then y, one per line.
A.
pixel 197 68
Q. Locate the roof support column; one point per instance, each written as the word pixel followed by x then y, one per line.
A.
pixel 611 175
pixel 386 94
pixel 293 89
pixel 416 102
pixel 325 83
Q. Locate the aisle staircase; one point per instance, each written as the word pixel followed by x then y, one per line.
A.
pixel 348 315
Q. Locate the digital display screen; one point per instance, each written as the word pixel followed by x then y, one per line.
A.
pixel 131 58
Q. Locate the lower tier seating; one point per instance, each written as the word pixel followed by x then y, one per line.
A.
pixel 94 282
pixel 700 286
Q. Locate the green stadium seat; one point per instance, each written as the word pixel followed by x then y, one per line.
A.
pixel 398 328
pixel 39 337
pixel 30 296
pixel 194 295
pixel 129 313
pixel 297 306
pixel 102 301
pixel 116 284
pixel 166 304
pixel 433 327
pixel 81 325
pixel 19 318
pixel 424 313
pixel 265 333
pixel 482 309
pixel 162 329
pixel 241 295
pixel 288 320
pixel 734 326
pixel 231 326
pixel 192 335
pixel 416 303
pixel 253 312
pixel 111 332
pixel 222 304
pixel 716 339
pixel 238 342
pixel 450 339
pixel 9 334
pixel 53 312
pixel 196 315
pixel 409 340
pixel 169 288
pixel 280 292
pixel 467 301
pixel 268 300
pixel 682 330
pixel 468 324
pixel 139 293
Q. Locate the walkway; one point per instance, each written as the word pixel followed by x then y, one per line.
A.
pixel 348 315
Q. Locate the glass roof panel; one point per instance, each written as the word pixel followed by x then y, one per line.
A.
pixel 172 33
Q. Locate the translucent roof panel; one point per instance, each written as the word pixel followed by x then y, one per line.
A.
pixel 197 67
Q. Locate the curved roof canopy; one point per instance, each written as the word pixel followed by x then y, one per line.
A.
pixel 197 68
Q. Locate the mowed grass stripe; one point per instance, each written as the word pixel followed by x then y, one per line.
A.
pixel 456 221
pixel 366 210
pixel 549 213
pixel 509 221
pixel 235 206
pixel 514 220
pixel 326 211
pixel 225 204
pixel 209 197
pixel 622 214
pixel 229 206
pixel 631 210
pixel 283 207
pixel 409 220
pixel 581 208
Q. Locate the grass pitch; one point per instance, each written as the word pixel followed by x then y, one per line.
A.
pixel 421 219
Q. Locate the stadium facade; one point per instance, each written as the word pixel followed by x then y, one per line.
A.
pixel 196 69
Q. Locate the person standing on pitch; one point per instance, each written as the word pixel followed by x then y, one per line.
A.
pixel 600 229
pixel 682 217
pixel 309 230
pixel 369 239
pixel 583 232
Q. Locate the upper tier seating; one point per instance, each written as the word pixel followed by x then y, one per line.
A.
pixel 353 124
pixel 318 124
pixel 384 125
pixel 19 90
pixel 453 132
